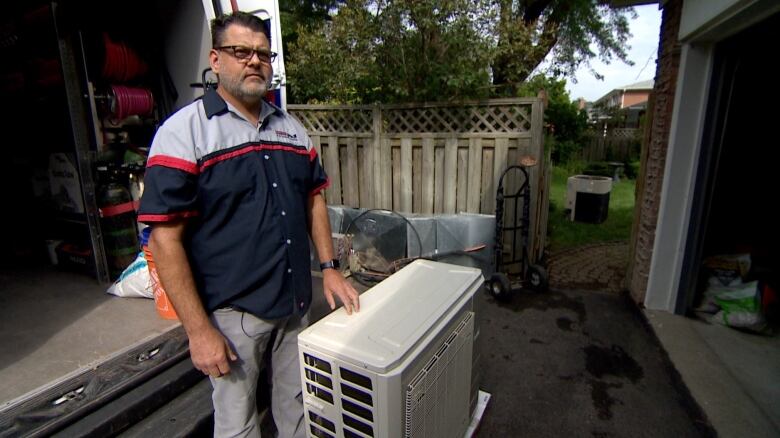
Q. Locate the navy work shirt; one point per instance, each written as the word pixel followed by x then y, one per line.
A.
pixel 244 190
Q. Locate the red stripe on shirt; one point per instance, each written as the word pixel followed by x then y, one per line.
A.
pixel 320 188
pixel 165 217
pixel 248 149
pixel 173 162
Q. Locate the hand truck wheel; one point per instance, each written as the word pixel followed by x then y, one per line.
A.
pixel 499 287
pixel 537 278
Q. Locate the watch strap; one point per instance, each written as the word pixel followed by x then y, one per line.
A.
pixel 330 264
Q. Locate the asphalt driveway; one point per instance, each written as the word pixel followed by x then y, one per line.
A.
pixel 578 364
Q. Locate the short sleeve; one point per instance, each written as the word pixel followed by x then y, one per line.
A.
pixel 319 179
pixel 171 178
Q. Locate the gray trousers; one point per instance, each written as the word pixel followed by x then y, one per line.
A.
pixel 234 395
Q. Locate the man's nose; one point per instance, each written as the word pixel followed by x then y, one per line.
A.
pixel 255 58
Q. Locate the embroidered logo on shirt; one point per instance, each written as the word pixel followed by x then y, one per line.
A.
pixel 286 135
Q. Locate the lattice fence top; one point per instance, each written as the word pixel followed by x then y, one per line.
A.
pixel 623 133
pixel 504 116
pixel 472 118
pixel 357 120
pixel 618 134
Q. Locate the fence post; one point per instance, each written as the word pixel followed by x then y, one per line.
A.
pixel 375 157
pixel 536 174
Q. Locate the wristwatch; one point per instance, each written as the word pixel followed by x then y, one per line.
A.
pixel 330 264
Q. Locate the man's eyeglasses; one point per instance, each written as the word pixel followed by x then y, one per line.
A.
pixel 244 53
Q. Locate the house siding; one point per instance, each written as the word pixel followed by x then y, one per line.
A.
pixel 654 149
pixel 634 97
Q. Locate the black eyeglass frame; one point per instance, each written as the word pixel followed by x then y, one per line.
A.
pixel 271 56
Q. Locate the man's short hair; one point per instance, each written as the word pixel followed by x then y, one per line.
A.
pixel 221 23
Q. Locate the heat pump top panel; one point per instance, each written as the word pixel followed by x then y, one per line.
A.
pixel 394 315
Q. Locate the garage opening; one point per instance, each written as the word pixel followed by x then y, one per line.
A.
pixel 732 259
pixel 737 233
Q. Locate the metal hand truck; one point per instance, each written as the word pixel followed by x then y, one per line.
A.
pixel 533 276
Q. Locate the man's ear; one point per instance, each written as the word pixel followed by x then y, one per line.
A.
pixel 214 61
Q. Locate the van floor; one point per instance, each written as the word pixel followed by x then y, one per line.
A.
pixel 56 324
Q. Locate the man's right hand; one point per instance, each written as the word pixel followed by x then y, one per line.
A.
pixel 210 352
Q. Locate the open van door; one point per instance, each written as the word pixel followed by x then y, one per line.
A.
pixel 73 359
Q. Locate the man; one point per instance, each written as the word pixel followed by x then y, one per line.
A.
pixel 232 187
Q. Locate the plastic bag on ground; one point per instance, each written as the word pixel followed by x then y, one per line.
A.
pixel 741 308
pixel 134 282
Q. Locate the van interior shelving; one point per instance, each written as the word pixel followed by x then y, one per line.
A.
pixel 61 146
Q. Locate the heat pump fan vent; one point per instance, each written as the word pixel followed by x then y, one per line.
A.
pixel 318 380
pixel 357 402
pixel 429 395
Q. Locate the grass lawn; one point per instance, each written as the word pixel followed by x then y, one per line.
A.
pixel 567 234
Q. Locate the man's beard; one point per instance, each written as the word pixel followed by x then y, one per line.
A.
pixel 243 91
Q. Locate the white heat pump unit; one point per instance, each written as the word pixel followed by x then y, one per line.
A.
pixel 596 190
pixel 402 366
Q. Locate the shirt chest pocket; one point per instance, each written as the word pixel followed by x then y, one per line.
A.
pixel 293 168
pixel 234 181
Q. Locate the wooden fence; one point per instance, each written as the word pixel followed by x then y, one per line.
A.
pixel 621 144
pixel 431 158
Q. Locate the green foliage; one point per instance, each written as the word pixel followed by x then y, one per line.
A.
pixel 632 169
pixel 308 14
pixel 425 50
pixel 391 52
pixel 571 167
pixel 567 123
pixel 598 168
pixel 564 150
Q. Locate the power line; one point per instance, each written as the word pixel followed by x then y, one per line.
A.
pixel 652 54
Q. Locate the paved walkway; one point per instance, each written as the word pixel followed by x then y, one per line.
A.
pixel 599 266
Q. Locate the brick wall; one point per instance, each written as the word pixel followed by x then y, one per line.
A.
pixel 654 147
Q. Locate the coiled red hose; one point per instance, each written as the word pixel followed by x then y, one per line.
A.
pixel 131 102
pixel 121 62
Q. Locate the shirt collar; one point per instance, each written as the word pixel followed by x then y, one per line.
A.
pixel 215 105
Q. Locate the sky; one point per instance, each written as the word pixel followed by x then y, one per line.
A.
pixel 644 48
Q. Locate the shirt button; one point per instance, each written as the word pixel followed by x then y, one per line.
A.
pixel 284 213
pixel 289 241
pixel 274 184
pixel 289 270
pixel 267 157
pixel 302 304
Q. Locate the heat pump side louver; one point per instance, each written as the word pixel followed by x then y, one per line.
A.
pixel 428 393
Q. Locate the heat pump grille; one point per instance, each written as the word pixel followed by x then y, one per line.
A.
pixel 318 378
pixel 350 389
pixel 357 402
pixel 428 400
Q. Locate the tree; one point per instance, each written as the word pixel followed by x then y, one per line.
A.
pixel 308 14
pixel 392 51
pixel 336 61
pixel 529 31
pixel 417 50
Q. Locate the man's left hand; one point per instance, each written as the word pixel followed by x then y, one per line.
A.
pixel 333 283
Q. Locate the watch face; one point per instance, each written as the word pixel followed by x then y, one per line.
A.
pixel 335 263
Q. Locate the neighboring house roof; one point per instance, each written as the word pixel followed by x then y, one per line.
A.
pixel 637 86
pixel 642 85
